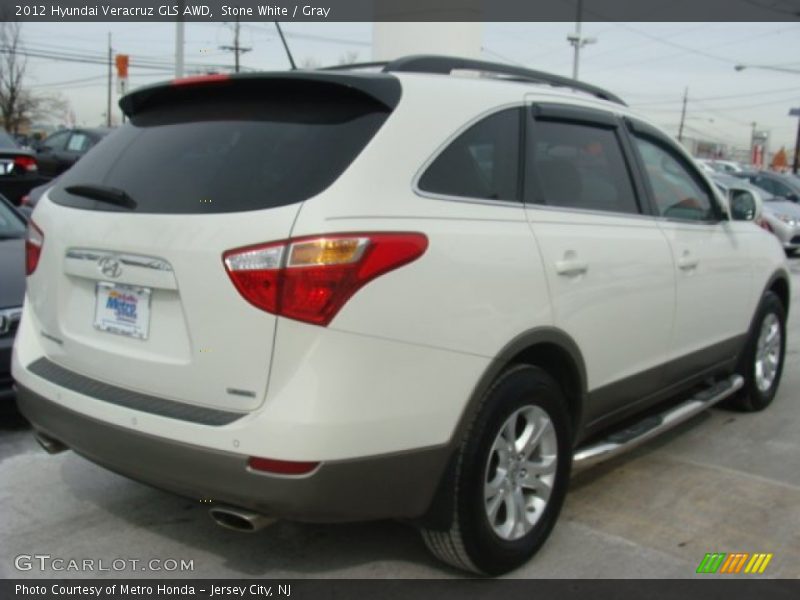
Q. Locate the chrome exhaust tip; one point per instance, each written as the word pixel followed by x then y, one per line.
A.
pixel 50 445
pixel 239 519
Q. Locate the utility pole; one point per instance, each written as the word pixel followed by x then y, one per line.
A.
pixel 683 114
pixel 110 60
pixel 179 42
pixel 236 48
pixel 578 41
pixel 795 112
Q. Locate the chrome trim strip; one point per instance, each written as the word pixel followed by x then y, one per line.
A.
pixel 622 441
pixel 133 260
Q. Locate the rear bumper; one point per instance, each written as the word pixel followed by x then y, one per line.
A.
pixel 399 485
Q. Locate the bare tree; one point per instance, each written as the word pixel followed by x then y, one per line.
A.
pixel 310 62
pixel 348 58
pixel 12 73
pixel 18 104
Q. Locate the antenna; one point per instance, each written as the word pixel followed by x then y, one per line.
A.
pixel 286 46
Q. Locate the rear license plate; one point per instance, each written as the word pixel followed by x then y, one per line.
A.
pixel 123 309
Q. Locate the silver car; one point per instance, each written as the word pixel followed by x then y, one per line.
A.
pixel 780 216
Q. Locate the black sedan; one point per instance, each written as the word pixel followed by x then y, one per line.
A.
pixel 777 184
pixel 59 151
pixel 19 170
pixel 12 290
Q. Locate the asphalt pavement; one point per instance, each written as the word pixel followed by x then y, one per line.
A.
pixel 722 482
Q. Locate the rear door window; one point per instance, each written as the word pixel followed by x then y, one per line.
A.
pixel 79 142
pixel 224 151
pixel 576 165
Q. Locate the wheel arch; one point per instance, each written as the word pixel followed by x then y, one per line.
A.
pixel 779 284
pixel 546 347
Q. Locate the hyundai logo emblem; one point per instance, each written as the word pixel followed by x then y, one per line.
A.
pixel 110 267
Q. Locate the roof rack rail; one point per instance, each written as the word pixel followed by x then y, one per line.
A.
pixel 444 65
pixel 352 66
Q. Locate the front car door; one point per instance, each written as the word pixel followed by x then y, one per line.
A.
pixel 711 261
pixel 608 264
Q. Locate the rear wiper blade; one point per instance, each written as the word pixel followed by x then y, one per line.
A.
pixel 103 193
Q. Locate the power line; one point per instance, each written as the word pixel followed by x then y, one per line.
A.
pixel 726 97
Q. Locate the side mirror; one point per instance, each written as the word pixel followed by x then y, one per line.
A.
pixel 744 206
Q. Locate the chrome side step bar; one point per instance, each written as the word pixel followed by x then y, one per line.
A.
pixel 650 427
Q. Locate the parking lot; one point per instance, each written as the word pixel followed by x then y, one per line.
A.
pixel 723 482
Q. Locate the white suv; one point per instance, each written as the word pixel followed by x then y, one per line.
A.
pixel 342 295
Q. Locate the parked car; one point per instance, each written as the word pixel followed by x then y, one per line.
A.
pixel 19 170
pixel 780 216
pixel 705 166
pixel 12 287
pixel 59 151
pixel 342 300
pixel 718 165
pixel 777 184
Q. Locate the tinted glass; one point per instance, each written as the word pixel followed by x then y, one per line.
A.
pixel 6 141
pixel 57 141
pixel 677 194
pixel 483 162
pixel 578 166
pixel 228 151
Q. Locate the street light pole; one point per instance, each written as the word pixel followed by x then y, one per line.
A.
pixel 578 41
pixel 767 68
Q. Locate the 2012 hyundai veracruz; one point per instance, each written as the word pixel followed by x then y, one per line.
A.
pixel 341 295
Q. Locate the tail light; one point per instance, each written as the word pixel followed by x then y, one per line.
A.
pixel 281 467
pixel 26 163
pixel 34 241
pixel 24 200
pixel 309 279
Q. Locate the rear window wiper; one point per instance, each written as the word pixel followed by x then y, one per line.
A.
pixel 103 193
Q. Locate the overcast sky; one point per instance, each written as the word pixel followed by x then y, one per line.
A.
pixel 648 64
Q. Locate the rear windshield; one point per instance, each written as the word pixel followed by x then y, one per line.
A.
pixel 226 150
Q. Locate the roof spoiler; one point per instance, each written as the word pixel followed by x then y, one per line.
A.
pixel 382 88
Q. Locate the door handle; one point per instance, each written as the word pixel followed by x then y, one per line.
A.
pixel 687 262
pixel 571 267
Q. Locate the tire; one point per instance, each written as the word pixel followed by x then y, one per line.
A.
pixel 761 364
pixel 473 543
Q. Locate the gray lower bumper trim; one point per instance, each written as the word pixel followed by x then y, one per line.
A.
pixel 398 485
pixel 116 395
